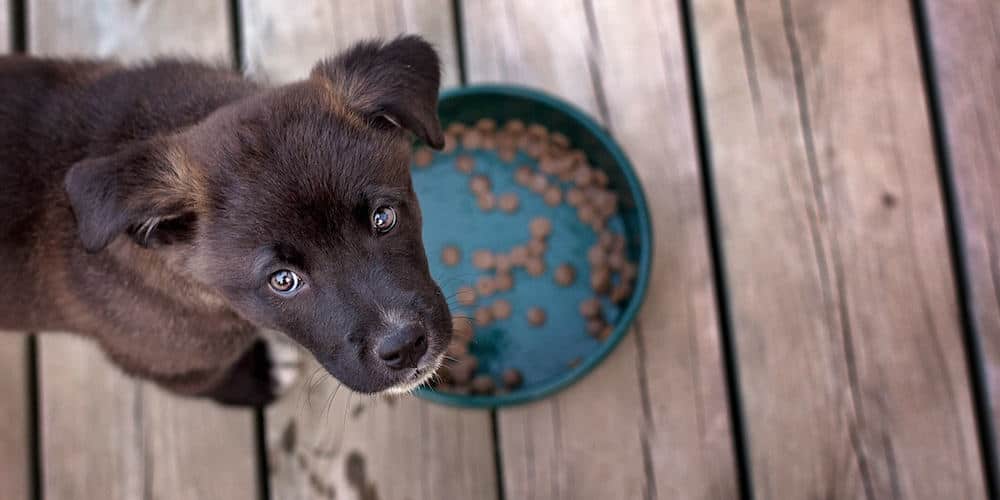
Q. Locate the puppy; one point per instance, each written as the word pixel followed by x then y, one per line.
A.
pixel 176 212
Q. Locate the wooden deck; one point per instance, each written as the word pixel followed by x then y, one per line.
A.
pixel 823 320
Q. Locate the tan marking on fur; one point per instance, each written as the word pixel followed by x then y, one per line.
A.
pixel 339 101
pixel 182 180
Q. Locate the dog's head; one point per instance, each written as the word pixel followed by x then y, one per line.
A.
pixel 296 205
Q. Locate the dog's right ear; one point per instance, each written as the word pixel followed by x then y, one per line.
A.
pixel 148 189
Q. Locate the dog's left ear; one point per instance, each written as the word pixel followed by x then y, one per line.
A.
pixel 391 84
pixel 147 189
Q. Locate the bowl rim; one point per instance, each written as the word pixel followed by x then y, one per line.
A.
pixel 566 378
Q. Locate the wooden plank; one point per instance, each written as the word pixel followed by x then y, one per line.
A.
pixel 15 433
pixel 843 303
pixel 966 46
pixel 409 448
pixel 105 435
pixel 15 454
pixel 652 421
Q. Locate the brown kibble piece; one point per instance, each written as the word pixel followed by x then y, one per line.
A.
pixel 574 197
pixel 509 202
pixel 466 296
pixel 552 196
pixel 538 130
pixel 465 164
pixel 524 175
pixel 504 281
pixel 472 139
pixel 629 271
pixel 457 348
pixel 621 292
pixel 484 316
pixel 559 139
pixel 565 275
pixel 486 124
pixel 583 176
pixel 479 184
pixel 600 279
pixel 539 183
pixel 590 308
pixel 485 286
pixel 616 261
pixel 512 378
pixel 585 212
pixel 461 329
pixel 605 332
pixel 483 259
pixel 423 156
pixel 596 256
pixel 519 255
pixel 536 316
pixel 502 309
pixel 514 126
pixel 535 266
pixel 455 128
pixel 606 240
pixel 487 202
pixel 540 228
pixel 462 370
pixel 482 384
pixel 489 142
pixel 536 248
pixel 450 143
pixel 594 327
pixel 600 178
pixel 507 154
pixel 451 255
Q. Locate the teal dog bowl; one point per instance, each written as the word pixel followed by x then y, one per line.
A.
pixel 556 354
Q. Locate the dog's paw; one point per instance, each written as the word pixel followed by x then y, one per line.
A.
pixel 264 373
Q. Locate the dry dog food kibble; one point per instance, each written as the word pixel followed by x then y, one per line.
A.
pixel 483 259
pixel 423 157
pixel 535 266
pixel 482 384
pixel 594 327
pixel 552 196
pixel 540 228
pixel 484 316
pixel 504 281
pixel 485 286
pixel 509 202
pixel 565 275
pixel 536 316
pixel 512 378
pixel 600 279
pixel 590 308
pixel 466 296
pixel 487 202
pixel 451 255
pixel 479 184
pixel 465 164
pixel 502 309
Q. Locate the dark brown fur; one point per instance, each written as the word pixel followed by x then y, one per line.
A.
pixel 145 207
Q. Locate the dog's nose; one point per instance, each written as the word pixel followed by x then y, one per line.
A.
pixel 403 348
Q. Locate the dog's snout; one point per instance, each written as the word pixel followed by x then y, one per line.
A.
pixel 404 347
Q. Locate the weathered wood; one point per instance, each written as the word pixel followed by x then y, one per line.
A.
pixel 283 44
pixel 652 421
pixel 104 435
pixel 843 302
pixel 966 48
pixel 409 448
pixel 15 442
pixel 15 455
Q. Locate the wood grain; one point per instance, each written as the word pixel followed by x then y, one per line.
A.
pixel 15 455
pixel 104 435
pixel 843 301
pixel 408 448
pixel 966 47
pixel 652 420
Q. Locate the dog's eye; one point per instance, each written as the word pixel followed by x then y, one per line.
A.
pixel 284 282
pixel 383 219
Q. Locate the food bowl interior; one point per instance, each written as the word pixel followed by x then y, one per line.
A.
pixel 559 352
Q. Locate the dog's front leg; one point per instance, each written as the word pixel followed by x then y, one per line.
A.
pixel 265 371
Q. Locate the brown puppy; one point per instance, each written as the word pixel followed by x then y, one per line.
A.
pixel 174 212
